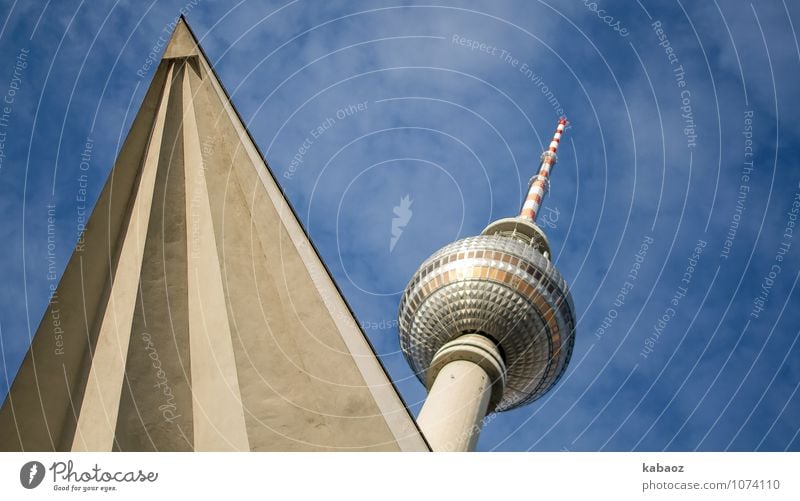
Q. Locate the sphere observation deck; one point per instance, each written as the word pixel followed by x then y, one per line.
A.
pixel 502 285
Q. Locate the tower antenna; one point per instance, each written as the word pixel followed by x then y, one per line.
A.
pixel 539 183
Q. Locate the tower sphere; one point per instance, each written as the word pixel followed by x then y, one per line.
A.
pixel 502 285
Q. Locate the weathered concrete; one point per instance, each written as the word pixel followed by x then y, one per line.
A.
pixel 465 381
pixel 456 405
pixel 196 315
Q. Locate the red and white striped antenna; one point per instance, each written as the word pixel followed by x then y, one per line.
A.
pixel 539 183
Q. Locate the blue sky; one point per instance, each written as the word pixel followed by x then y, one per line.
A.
pixel 668 103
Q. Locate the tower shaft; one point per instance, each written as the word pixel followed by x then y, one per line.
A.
pixel 466 381
pixel 456 405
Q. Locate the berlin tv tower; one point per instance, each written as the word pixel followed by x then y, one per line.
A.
pixel 487 322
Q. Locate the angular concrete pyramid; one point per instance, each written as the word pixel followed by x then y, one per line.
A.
pixel 194 313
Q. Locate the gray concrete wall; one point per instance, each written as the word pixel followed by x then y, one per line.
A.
pixel 224 330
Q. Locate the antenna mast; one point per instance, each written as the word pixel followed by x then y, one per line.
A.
pixel 539 183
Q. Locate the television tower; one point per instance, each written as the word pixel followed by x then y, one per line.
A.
pixel 487 322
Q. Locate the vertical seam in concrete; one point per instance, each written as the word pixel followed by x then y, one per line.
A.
pixel 100 407
pixel 219 422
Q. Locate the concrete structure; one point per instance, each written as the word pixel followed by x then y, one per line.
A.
pixel 194 313
pixel 487 322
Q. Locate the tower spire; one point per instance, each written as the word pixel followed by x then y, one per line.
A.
pixel 539 183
